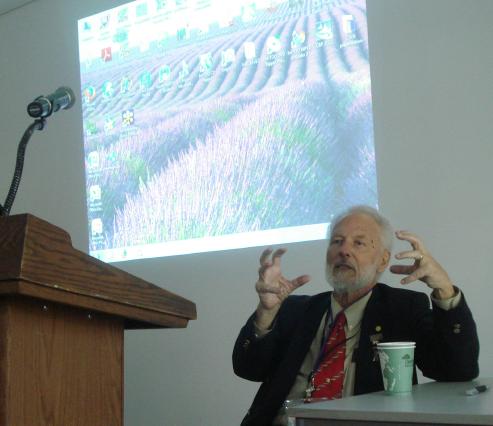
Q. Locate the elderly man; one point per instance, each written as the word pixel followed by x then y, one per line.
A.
pixel 323 346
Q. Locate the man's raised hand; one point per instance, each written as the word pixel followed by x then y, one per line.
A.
pixel 273 287
pixel 425 268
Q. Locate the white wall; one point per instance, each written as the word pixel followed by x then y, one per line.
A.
pixel 432 63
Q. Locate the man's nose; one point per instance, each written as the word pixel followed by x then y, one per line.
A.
pixel 344 249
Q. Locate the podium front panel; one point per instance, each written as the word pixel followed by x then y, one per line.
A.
pixel 59 365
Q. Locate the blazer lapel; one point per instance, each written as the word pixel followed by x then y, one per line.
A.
pixel 300 344
pixel 307 329
pixel 373 330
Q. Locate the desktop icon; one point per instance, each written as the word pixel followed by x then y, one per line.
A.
pixel 123 15
pixel 205 63
pixel 293 4
pixel 227 57
pixel 273 44
pixel 249 50
pixel 109 124
pixel 324 30
pixel 144 43
pixel 141 10
pixel 86 26
pixel 111 157
pixel 104 22
pixel 348 25
pixel 297 38
pixel 226 20
pixel 125 84
pixel 161 4
pixel 164 74
pixel 106 54
pixel 124 51
pixel 121 36
pixel 90 128
pixel 248 12
pixel 202 28
pixel 183 33
pixel 128 117
pixel 272 6
pixel 93 160
pixel 185 70
pixel 107 89
pixel 145 80
pixel 94 193
pixel 89 93
pixel 96 227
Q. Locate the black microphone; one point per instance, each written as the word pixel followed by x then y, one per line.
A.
pixel 44 106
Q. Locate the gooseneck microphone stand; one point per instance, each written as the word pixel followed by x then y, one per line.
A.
pixel 38 124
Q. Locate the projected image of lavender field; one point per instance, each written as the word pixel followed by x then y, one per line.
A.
pixel 257 129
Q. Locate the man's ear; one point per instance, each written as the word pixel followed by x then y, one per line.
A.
pixel 384 261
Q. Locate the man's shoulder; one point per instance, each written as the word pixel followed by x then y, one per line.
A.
pixel 300 298
pixel 296 300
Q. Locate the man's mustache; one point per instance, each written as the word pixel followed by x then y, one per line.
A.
pixel 343 264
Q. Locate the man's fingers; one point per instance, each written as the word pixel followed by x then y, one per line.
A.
pixel 284 286
pixel 416 271
pixel 416 275
pixel 409 279
pixel 411 254
pixel 276 257
pixel 266 288
pixel 402 269
pixel 301 280
pixel 270 271
pixel 262 269
pixel 266 261
pixel 264 256
pixel 413 272
pixel 411 238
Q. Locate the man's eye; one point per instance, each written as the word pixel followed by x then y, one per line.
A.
pixel 359 243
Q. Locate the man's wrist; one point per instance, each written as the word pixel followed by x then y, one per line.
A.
pixel 264 318
pixel 450 303
pixel 444 293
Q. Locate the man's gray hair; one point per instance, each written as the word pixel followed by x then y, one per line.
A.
pixel 386 231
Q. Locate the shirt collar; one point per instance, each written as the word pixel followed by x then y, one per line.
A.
pixel 354 312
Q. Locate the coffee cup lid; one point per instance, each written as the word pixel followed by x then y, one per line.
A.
pixel 396 344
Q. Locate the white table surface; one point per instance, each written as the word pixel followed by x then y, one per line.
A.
pixel 438 403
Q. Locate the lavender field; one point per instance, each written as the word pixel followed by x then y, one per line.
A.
pixel 275 143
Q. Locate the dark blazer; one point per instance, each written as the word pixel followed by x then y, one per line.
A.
pixel 447 346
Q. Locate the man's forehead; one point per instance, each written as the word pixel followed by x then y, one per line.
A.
pixel 357 225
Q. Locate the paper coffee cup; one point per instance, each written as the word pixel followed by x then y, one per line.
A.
pixel 397 365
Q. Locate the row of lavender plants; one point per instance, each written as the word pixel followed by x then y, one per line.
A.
pixel 287 159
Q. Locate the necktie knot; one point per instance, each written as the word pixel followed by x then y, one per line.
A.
pixel 340 320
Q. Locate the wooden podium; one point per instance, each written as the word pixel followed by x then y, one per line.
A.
pixel 62 320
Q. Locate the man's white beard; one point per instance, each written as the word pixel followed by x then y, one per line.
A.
pixel 342 285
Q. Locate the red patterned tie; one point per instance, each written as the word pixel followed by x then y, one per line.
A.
pixel 329 377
